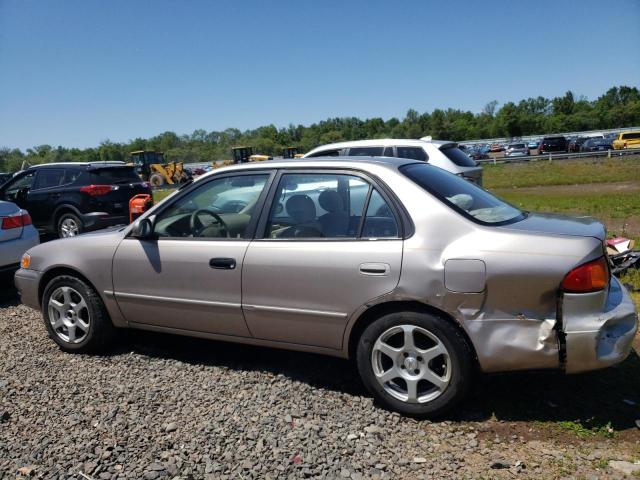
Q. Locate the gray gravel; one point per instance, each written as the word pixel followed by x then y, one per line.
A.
pixel 168 407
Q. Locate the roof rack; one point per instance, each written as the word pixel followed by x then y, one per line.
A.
pixel 80 164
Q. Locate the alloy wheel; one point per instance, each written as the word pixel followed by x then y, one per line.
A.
pixel 411 364
pixel 69 228
pixel 69 314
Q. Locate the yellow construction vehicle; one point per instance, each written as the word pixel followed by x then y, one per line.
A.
pixel 241 155
pixel 152 168
pixel 291 152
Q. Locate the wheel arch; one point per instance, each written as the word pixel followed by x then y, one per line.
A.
pixel 61 210
pixel 58 271
pixel 374 312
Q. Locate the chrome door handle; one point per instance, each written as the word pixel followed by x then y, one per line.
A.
pixel 375 269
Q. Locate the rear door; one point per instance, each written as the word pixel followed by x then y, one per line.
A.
pixel 317 259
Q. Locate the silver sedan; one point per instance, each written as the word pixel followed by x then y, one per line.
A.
pixel 419 276
pixel 17 235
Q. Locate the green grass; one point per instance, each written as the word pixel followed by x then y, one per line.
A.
pixel 621 205
pixel 563 172
pixel 587 428
pixel 161 194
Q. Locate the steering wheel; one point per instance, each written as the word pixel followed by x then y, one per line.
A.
pixel 194 219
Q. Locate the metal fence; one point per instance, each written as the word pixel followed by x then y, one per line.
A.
pixel 526 138
pixel 550 157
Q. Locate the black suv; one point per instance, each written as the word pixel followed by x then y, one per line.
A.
pixel 71 198
pixel 553 144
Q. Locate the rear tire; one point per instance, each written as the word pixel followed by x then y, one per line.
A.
pixel 69 225
pixel 75 317
pixel 415 363
pixel 156 179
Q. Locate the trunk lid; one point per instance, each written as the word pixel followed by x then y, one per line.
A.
pixel 550 223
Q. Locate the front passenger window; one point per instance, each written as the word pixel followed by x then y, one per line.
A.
pixel 221 208
pixel 14 187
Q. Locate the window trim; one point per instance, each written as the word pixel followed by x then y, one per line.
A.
pixel 251 227
pixel 405 229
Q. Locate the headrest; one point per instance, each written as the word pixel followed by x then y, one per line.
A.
pixel 301 208
pixel 331 201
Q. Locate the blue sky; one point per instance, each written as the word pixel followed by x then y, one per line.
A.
pixel 76 72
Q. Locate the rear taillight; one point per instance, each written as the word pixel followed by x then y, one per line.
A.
pixel 589 277
pixel 96 190
pixel 16 221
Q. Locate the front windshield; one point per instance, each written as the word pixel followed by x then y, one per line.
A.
pixel 464 196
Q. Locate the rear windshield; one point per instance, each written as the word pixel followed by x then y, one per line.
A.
pixel 462 195
pixel 114 175
pixel 458 157
pixel 554 140
pixel 628 136
pixel 516 145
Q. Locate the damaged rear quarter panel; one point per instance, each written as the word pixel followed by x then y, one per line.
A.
pixel 513 322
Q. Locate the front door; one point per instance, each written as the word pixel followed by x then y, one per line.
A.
pixel 319 260
pixel 43 195
pixel 189 276
pixel 17 189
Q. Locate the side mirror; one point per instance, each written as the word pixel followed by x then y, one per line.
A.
pixel 142 229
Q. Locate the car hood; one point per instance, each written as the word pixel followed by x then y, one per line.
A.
pixel 550 223
pixel 75 252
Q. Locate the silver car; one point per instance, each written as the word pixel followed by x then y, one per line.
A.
pixel 418 275
pixel 516 150
pixel 441 153
pixel 17 235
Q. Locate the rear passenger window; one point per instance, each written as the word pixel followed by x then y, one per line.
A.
pixel 414 153
pixel 388 152
pixel 50 177
pixel 379 221
pixel 317 206
pixel 70 176
pixel 114 175
pixel 365 151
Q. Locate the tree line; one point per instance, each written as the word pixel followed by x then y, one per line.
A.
pixel 618 107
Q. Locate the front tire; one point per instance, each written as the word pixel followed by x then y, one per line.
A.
pixel 156 179
pixel 415 363
pixel 75 317
pixel 69 225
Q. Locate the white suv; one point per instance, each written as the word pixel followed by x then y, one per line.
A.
pixel 443 154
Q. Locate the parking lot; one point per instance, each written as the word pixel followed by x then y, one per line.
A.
pixel 169 407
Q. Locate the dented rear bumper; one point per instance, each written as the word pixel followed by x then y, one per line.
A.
pixel 598 328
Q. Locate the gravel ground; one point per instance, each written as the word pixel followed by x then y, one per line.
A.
pixel 169 407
